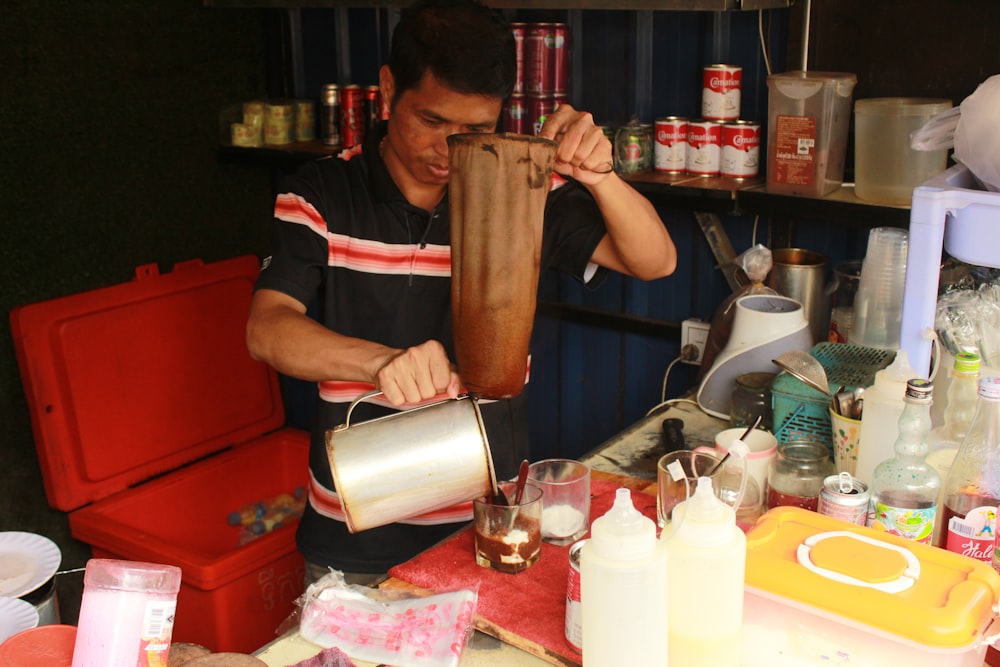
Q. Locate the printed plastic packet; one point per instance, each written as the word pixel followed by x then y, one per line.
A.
pixel 410 631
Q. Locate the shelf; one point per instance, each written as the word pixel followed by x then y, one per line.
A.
pixel 664 5
pixel 725 196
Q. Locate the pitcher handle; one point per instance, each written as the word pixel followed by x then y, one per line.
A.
pixel 363 397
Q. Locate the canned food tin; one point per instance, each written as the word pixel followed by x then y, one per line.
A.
pixel 520 30
pixel 538 59
pixel 560 58
pixel 538 108
pixel 633 149
pixel 352 123
pixel 329 116
pixel 845 497
pixel 574 608
pixel 279 124
pixel 720 93
pixel 305 120
pixel 704 144
pixel 670 149
pixel 740 149
pixel 253 114
pixel 515 115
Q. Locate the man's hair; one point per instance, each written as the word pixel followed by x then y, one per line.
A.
pixel 468 47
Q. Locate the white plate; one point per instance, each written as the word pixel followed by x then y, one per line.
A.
pixel 27 561
pixel 16 616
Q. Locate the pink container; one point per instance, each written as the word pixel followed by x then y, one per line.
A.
pixel 127 614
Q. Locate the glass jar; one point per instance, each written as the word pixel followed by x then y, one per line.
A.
pixel 633 148
pixel 798 473
pixel 752 399
pixel 842 290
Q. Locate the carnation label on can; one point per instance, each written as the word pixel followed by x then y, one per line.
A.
pixel 845 497
pixel 720 92
pixel 704 144
pixel 740 149
pixel 670 149
pixel 574 609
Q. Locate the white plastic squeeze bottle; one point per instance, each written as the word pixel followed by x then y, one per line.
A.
pixel 623 579
pixel 880 415
pixel 707 556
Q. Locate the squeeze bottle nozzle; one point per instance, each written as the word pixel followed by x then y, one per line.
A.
pixel 623 533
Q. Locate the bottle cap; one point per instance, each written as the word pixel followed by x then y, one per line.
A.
pixel 966 362
pixel 704 520
pixel 623 533
pixel 919 390
pixel 989 387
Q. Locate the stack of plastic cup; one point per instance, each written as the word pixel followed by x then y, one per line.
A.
pixel 878 305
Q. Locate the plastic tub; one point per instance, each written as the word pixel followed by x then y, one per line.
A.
pixel 808 117
pixel 886 169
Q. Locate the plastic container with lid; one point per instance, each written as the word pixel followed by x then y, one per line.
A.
pixel 820 591
pixel 886 169
pixel 809 114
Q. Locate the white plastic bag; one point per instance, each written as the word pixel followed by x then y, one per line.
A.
pixel 409 632
pixel 977 137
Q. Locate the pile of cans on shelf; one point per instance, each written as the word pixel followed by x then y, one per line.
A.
pixel 348 112
pixel 542 75
pixel 258 123
pixel 718 143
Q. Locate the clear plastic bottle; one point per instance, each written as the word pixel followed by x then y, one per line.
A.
pixel 972 490
pixel 880 417
pixel 944 439
pixel 905 489
pixel 623 589
pixel 707 556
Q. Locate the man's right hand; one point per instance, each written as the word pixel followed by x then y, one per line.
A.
pixel 416 374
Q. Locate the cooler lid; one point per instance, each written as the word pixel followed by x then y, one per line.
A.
pixel 130 381
pixel 925 594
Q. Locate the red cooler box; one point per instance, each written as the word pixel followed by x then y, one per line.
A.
pixel 153 424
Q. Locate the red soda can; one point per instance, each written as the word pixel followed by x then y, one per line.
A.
pixel 740 149
pixel 520 30
pixel 844 497
pixel 370 110
pixel 670 149
pixel 703 148
pixel 573 629
pixel 352 122
pixel 538 107
pixel 560 58
pixel 515 115
pixel 720 92
pixel 538 59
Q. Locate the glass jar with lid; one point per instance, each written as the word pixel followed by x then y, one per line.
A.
pixel 798 473
pixel 752 399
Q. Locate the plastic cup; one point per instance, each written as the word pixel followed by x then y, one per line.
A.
pixel 878 306
pixel 508 538
pixel 846 440
pixel 763 448
pixel 565 486
pixel 677 471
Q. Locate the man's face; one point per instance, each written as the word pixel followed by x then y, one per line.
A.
pixel 422 119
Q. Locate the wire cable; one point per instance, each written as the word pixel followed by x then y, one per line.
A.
pixel 763 42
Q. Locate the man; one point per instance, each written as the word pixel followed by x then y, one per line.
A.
pixel 366 242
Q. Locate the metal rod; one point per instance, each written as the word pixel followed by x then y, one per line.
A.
pixel 806 7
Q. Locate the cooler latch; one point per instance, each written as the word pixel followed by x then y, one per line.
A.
pixel 838 556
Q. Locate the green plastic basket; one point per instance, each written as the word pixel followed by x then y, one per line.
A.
pixel 801 412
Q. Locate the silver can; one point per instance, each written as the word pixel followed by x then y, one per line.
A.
pixel 845 497
pixel 574 609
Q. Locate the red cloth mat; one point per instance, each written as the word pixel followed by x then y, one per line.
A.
pixel 528 609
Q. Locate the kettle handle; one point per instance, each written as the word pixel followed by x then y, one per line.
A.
pixel 363 397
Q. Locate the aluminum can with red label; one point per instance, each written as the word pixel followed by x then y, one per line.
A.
pixel 515 115
pixel 574 609
pixel 740 149
pixel 844 497
pixel 704 148
pixel 520 31
pixel 670 149
pixel 560 58
pixel 538 108
pixel 352 115
pixel 370 107
pixel 720 92
pixel 538 59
